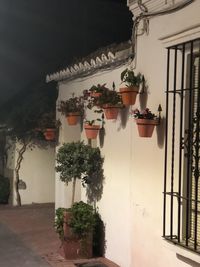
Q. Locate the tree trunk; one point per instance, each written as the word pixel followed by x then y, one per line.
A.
pixel 17 168
pixel 73 190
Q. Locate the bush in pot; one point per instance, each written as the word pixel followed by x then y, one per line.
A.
pixel 84 223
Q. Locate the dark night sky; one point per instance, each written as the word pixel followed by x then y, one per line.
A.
pixel 40 36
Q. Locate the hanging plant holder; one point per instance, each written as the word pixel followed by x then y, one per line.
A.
pixel 50 134
pixel 111 112
pixel 146 127
pixel 73 118
pixel 91 131
pixel 129 95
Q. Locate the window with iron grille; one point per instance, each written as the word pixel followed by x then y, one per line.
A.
pixel 181 217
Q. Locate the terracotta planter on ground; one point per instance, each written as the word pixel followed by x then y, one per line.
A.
pixel 73 247
pixel 72 118
pixel 50 134
pixel 129 95
pixel 111 112
pixel 146 127
pixel 91 131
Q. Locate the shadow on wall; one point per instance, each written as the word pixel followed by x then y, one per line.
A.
pixel 124 114
pixel 160 129
pixel 143 96
pixel 188 261
pixel 102 133
pixel 94 188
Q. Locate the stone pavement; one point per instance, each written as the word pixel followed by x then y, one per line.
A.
pixel 28 239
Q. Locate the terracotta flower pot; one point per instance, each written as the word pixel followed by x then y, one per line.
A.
pixel 111 112
pixel 95 94
pixel 91 131
pixel 73 247
pixel 50 134
pixel 72 118
pixel 129 95
pixel 146 127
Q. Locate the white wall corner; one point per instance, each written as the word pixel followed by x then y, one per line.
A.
pixel 151 7
pixel 185 35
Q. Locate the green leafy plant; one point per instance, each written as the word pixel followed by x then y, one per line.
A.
pixel 111 98
pixel 130 79
pixel 4 189
pixel 146 114
pixel 82 219
pixel 71 105
pixel 98 88
pixel 59 222
pixel 78 161
pixel 92 122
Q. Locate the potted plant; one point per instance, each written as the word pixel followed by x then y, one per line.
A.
pixel 4 189
pixel 146 122
pixel 131 89
pixel 49 126
pixel 97 90
pixel 72 108
pixel 91 129
pixel 77 236
pixel 111 102
pixel 76 161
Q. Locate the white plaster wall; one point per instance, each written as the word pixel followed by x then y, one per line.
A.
pixel 132 201
pixel 148 248
pixel 38 172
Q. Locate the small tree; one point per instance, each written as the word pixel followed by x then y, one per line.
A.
pixel 78 161
pixel 22 118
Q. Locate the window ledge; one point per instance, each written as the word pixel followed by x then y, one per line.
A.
pixel 182 253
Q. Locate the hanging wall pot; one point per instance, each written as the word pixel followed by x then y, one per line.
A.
pixel 50 134
pixel 73 118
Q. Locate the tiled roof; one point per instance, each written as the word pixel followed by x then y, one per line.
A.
pixel 100 59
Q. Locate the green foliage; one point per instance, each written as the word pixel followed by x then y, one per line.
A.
pixel 4 190
pixel 77 160
pixel 59 222
pixel 109 97
pixel 73 104
pixel 145 114
pixel 92 122
pixel 128 77
pixel 82 219
pixel 98 88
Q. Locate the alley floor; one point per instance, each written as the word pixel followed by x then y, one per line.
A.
pixel 28 239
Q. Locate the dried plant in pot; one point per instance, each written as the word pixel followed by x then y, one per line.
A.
pixel 131 89
pixel 146 121
pixel 72 108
